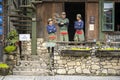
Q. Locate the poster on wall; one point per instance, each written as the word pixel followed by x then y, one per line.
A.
pixel 24 37
pixel 1 20
pixel 91 27
pixel 1 9
pixel 1 30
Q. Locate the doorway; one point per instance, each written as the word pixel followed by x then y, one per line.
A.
pixel 117 19
pixel 71 9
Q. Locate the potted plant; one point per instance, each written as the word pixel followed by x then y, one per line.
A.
pixel 4 69
pixel 12 40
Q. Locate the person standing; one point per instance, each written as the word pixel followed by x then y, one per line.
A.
pixel 51 30
pixel 63 23
pixel 79 25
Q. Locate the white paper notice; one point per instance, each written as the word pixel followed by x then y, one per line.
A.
pixel 24 37
pixel 91 27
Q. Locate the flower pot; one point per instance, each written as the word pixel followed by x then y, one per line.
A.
pixel 4 72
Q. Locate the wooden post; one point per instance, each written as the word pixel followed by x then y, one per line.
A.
pixel 34 39
pixel 101 34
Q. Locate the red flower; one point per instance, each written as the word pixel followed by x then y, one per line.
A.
pixel 52 37
pixel 64 33
pixel 78 32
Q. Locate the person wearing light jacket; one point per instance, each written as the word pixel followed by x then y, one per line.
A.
pixel 63 23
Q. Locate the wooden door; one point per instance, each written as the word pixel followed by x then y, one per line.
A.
pixel 92 27
pixel 44 12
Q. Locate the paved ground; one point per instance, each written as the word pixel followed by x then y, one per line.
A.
pixel 59 78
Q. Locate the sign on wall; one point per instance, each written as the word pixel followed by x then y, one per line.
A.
pixel 24 37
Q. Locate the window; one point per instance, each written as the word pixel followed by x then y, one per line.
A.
pixel 108 16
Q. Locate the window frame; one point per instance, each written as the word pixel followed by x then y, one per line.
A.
pixel 103 17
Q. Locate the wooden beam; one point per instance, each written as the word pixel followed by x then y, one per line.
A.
pixel 22 25
pixel 20 16
pixel 27 6
pixel 34 38
pixel 22 21
pixel 36 2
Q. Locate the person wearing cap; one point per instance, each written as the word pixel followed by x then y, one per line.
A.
pixel 79 25
pixel 51 30
pixel 63 24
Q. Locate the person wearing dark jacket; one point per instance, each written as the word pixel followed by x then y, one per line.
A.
pixel 79 25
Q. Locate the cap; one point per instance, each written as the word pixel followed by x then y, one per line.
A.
pixel 50 19
pixel 63 13
pixel 79 15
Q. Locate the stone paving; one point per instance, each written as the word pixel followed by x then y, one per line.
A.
pixel 60 78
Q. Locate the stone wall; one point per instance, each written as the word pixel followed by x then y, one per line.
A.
pixel 67 65
pixel 86 65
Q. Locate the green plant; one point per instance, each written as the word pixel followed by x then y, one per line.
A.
pixel 10 48
pixel 3 66
pixel 4 69
pixel 12 39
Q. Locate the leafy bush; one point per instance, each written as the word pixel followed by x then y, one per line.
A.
pixel 12 39
pixel 10 48
pixel 3 66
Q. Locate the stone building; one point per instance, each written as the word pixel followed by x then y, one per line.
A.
pixel 101 24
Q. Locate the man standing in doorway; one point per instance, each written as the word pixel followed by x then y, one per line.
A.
pixel 63 23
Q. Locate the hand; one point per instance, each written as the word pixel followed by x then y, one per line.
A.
pixel 62 23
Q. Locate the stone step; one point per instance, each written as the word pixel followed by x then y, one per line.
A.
pixel 33 62
pixel 31 67
pixel 31 73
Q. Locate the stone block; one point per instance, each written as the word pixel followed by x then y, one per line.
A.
pixel 71 71
pixel 95 67
pixel 112 71
pixel 61 71
pixel 86 71
pixel 78 63
pixel 104 71
pixel 72 63
pixel 78 70
pixel 57 57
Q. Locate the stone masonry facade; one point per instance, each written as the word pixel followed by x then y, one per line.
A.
pixel 70 65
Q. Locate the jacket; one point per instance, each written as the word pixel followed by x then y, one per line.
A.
pixel 64 21
pixel 78 25
pixel 51 29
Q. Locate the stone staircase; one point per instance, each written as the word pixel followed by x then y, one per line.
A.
pixel 35 65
